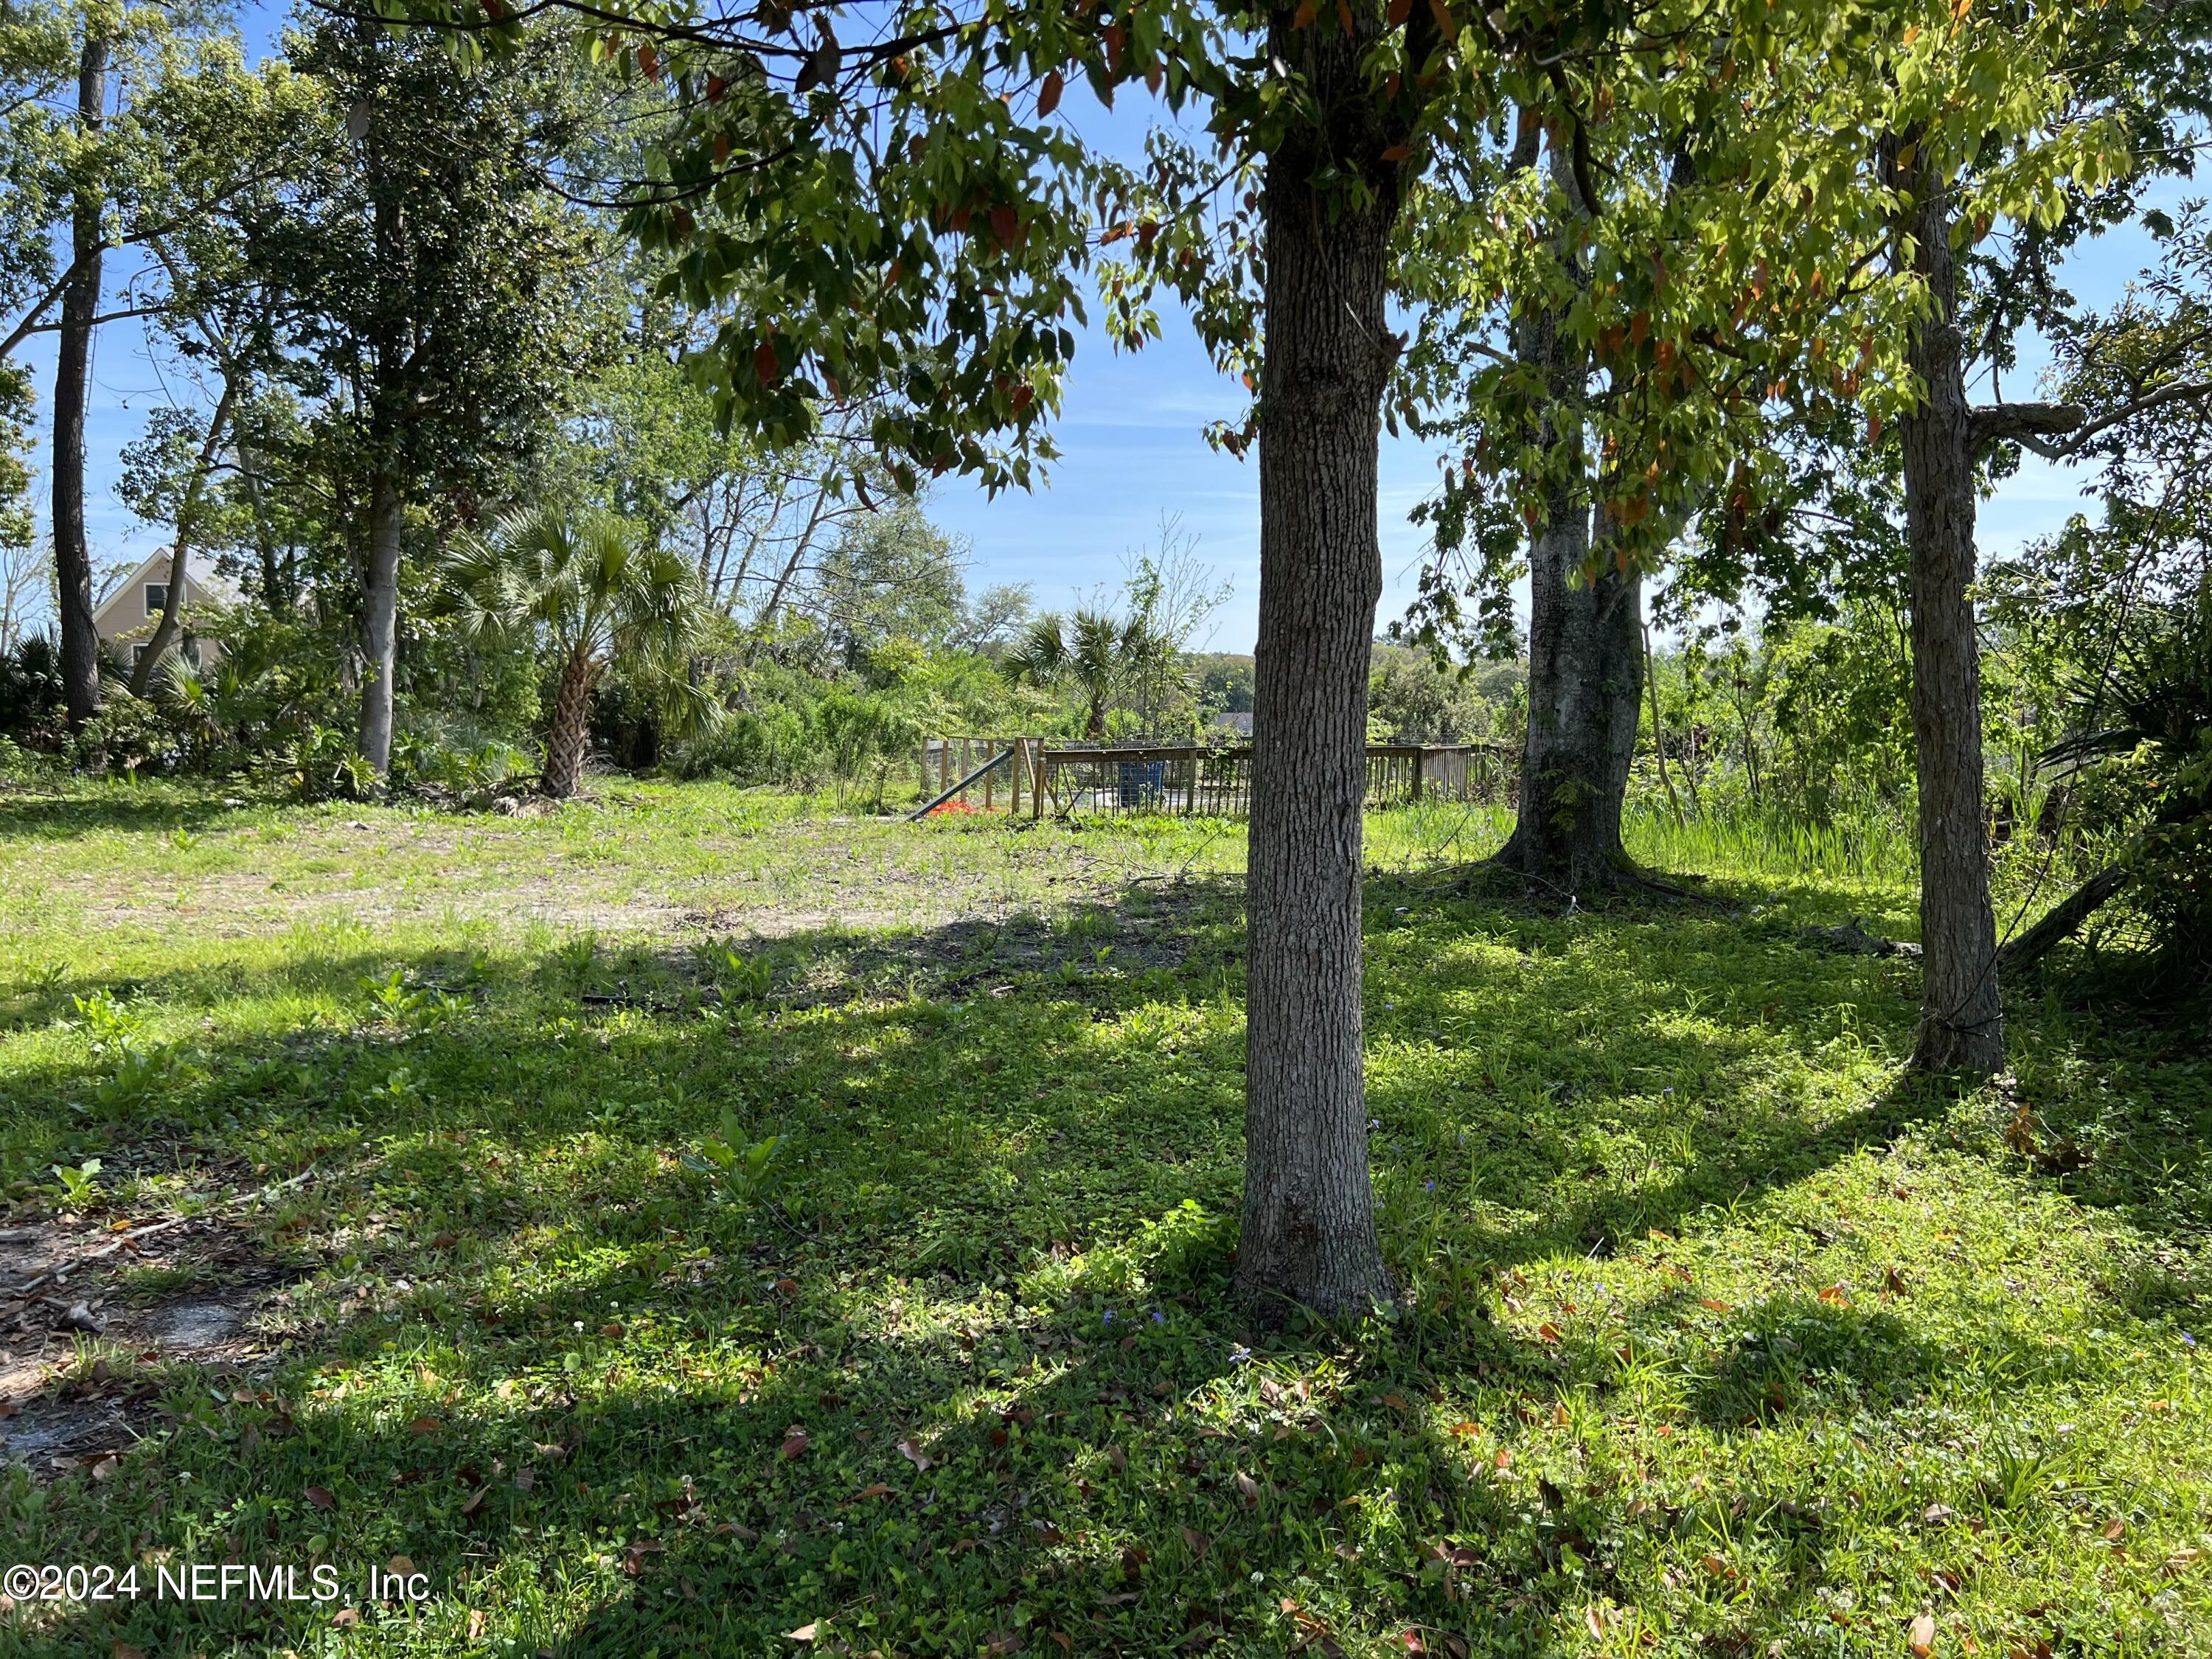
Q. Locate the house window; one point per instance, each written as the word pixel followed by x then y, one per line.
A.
pixel 157 597
pixel 137 653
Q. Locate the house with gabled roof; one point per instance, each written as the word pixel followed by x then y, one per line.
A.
pixel 126 618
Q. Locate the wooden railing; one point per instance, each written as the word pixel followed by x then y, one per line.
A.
pixel 1185 780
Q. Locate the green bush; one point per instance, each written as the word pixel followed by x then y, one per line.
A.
pixel 777 744
pixel 31 692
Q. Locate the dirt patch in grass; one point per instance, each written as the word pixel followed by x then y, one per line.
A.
pixel 74 1333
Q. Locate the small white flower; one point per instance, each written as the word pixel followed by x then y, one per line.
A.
pixel 580 1324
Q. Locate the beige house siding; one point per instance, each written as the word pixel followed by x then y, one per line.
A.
pixel 128 616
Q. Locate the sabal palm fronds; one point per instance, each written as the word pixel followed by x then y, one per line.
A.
pixel 1089 650
pixel 590 589
pixel 2156 694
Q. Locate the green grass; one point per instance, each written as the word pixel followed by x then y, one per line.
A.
pixel 1714 1338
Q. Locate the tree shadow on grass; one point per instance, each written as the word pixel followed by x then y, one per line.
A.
pixel 118 810
pixel 543 1364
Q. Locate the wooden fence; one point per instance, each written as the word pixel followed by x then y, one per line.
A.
pixel 1185 780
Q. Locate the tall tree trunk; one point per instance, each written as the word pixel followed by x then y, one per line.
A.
pixel 1961 1018
pixel 1585 648
pixel 1585 696
pixel 72 382
pixel 275 588
pixel 379 617
pixel 188 511
pixel 565 743
pixel 1308 1231
pixel 1585 669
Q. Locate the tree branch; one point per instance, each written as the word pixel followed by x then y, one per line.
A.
pixel 2018 955
pixel 2033 425
pixel 1995 423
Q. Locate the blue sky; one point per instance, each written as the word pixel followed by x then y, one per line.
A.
pixel 1134 453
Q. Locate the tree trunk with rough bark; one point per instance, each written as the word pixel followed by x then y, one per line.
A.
pixel 1585 668
pixel 1308 1235
pixel 72 383
pixel 569 736
pixel 379 618
pixel 1961 1017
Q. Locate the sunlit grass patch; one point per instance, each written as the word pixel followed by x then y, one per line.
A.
pixel 1712 1336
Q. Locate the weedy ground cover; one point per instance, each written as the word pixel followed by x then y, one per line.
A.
pixel 691 1222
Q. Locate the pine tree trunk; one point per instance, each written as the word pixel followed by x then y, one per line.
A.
pixel 1308 1231
pixel 1961 1018
pixel 379 618
pixel 1585 667
pixel 72 382
pixel 569 736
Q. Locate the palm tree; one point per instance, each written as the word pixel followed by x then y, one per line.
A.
pixel 2151 701
pixel 589 589
pixel 1090 651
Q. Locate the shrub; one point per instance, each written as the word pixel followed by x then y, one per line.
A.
pixel 31 692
